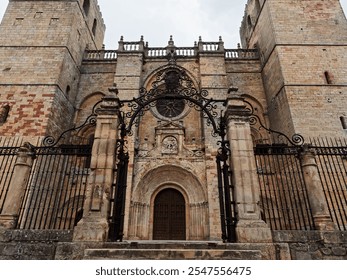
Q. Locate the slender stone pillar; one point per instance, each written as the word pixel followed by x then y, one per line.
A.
pixel 250 227
pixel 21 172
pixel 319 206
pixel 94 224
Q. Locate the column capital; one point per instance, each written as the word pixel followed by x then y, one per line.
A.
pixel 110 103
pixel 308 156
pixel 24 152
pixel 236 106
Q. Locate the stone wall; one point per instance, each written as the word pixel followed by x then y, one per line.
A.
pixel 302 46
pixel 31 244
pixel 314 245
pixel 42 47
pixel 50 244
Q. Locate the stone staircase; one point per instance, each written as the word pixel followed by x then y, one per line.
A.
pixel 178 250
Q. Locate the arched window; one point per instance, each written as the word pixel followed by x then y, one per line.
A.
pixel 86 6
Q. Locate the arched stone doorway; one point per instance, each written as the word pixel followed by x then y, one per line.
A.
pixel 150 183
pixel 169 215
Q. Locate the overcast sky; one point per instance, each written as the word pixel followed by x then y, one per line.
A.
pixel 186 20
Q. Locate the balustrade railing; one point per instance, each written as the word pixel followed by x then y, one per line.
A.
pixel 186 51
pixel 211 46
pixel 131 46
pixel 230 54
pixel 241 54
pixel 100 55
pixel 156 52
pixel 162 52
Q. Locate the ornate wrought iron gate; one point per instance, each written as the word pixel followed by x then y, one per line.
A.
pixel 171 91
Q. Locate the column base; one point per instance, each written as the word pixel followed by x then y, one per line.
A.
pixel 8 221
pixel 323 222
pixel 253 231
pixel 87 230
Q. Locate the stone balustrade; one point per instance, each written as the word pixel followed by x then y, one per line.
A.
pixel 162 52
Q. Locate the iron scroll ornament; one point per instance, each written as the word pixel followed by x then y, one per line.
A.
pixel 50 141
pixel 207 106
pixel 170 92
pixel 295 140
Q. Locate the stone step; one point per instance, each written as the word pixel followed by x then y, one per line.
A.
pixel 165 250
pixel 171 254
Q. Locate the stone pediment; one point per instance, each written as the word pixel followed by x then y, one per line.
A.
pixel 170 126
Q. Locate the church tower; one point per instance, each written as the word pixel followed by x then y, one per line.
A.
pixel 302 46
pixel 41 50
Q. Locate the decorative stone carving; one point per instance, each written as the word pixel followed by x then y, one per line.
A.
pixel 170 145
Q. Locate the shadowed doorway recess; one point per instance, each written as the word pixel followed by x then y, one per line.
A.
pixel 169 216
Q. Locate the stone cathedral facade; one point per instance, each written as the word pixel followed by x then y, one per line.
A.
pixel 173 152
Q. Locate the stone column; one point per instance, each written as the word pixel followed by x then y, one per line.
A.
pixel 21 172
pixel 94 224
pixel 319 206
pixel 250 227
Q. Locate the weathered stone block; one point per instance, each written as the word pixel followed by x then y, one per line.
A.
pixel 339 251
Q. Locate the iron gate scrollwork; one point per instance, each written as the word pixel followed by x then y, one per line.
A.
pixel 55 192
pixel 171 90
pixel 284 198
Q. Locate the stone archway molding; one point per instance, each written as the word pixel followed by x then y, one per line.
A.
pixel 154 181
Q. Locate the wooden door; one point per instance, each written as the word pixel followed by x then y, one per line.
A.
pixel 169 216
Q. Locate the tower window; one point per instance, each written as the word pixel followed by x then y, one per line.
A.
pixel 343 122
pixel 95 23
pixel 249 21
pixel 86 6
pixel 68 89
pixel 19 21
pixel 328 78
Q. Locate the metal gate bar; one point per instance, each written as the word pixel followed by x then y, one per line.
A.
pixel 8 155
pixel 56 188
pixel 332 168
pixel 284 197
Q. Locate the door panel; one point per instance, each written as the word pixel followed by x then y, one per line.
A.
pixel 169 216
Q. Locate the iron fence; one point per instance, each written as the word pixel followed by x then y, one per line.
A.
pixel 332 167
pixel 55 192
pixel 8 152
pixel 284 197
